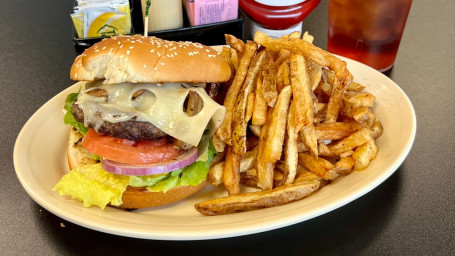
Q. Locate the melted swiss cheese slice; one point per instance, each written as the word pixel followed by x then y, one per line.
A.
pixel 160 104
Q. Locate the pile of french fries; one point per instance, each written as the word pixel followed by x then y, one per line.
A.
pixel 295 121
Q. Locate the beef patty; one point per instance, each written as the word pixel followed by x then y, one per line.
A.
pixel 131 130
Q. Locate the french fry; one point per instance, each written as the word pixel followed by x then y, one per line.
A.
pixel 248 160
pixel 249 106
pixel 307 37
pixel 310 124
pixel 333 131
pixel 323 150
pixel 239 121
pixel 249 178
pixel 312 52
pixel 263 168
pixel 256 129
pixel 301 91
pixel 218 144
pixel 235 60
pixel 363 99
pixel 290 147
pixel 277 127
pixel 260 105
pixel 236 44
pixel 278 177
pixel 283 76
pixel 231 172
pixel 300 146
pixel 326 88
pixel 286 73
pixel 224 132
pixel 363 116
pixel 344 165
pixel 364 154
pixel 226 53
pixel 376 129
pixel 318 107
pixel 215 175
pixel 334 105
pixel 295 35
pixel 308 135
pixel 356 139
pixel 304 175
pixel 269 90
pixel 356 87
pixel 284 54
pixel 328 76
pixel 258 200
pixel 318 166
pixel 280 77
pixel 315 72
pixel 347 153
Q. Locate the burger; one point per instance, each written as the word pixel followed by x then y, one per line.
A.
pixel 142 121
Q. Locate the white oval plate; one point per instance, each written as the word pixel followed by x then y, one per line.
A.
pixel 40 162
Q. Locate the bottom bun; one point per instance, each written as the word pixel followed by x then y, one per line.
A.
pixel 133 198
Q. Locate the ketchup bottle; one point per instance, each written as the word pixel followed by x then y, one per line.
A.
pixel 277 18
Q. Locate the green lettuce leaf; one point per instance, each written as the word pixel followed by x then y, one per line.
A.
pixel 94 186
pixel 69 117
pixel 191 175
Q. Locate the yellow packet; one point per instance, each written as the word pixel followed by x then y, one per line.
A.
pixel 102 18
pixel 78 21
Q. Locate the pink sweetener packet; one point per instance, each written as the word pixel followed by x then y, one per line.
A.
pixel 211 11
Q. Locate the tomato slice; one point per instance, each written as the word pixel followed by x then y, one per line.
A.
pixel 127 151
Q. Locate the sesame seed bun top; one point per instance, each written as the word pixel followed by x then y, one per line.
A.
pixel 141 59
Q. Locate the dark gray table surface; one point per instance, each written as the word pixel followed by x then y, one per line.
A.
pixel 411 213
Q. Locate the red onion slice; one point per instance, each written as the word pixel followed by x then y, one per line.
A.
pixel 183 160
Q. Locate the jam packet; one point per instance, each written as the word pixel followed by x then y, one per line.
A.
pixel 101 18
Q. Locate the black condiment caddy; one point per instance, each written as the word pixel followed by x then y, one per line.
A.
pixel 208 34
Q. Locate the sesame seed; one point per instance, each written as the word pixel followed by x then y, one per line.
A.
pixel 162 63
pixel 175 53
pixel 152 51
pixel 167 55
pixel 145 66
pixel 159 55
pixel 126 59
pixel 207 50
pixel 155 69
pixel 75 75
pixel 118 42
pixel 104 48
pixel 127 52
pixel 133 42
pixel 121 56
pixel 121 46
pixel 131 47
pixel 96 50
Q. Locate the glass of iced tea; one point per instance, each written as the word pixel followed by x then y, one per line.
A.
pixel 368 31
